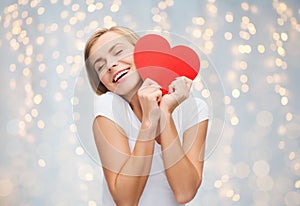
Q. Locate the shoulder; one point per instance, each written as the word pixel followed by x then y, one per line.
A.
pixel 192 111
pixel 194 104
pixel 108 104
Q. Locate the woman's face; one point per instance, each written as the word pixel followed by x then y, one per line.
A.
pixel 112 58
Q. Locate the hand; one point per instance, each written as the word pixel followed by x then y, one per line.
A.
pixel 179 90
pixel 149 96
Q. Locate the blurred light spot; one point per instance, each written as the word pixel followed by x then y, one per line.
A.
pixel 205 93
pixel 37 99
pixel 261 168
pixel 89 177
pixel 284 36
pixel 243 78
pixel 227 150
pixel 245 6
pixel 225 178
pixel 261 48
pixel 6 187
pixel 91 8
pixel 264 118
pixel 75 7
pixel 12 84
pixel 42 163
pixel 63 85
pixel 205 64
pixel 218 184
pixel 79 151
pixel 243 65
pixel 241 170
pixel 281 145
pixel 92 203
pixel 235 93
pixel 26 72
pixel 245 49
pixel 43 83
pixel 276 36
pixel 229 17
pixel 41 124
pixel 99 5
pixel 198 21
pixel 73 128
pixel 245 88
pixel 230 109
pixel 85 172
pixel 229 193
pixel 40 40
pixel 292 155
pixel 28 118
pixel 292 130
pixel 297 184
pixel 74 101
pixel 162 5
pixel 156 18
pixel 234 120
pixel 251 28
pixel 34 112
pixel 265 183
pixel 281 51
pixel 292 198
pixel 227 100
pixel 289 116
pixel 236 197
pixel 284 100
pixel 197 33
pixel 64 14
pixel 41 11
pixel 228 35
pixel 114 8
pixel 212 9
pixel 58 96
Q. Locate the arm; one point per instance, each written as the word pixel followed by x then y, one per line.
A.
pixel 183 163
pixel 127 172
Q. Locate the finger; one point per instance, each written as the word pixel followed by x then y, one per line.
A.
pixel 171 88
pixel 187 81
pixel 149 82
pixel 158 95
pixel 154 96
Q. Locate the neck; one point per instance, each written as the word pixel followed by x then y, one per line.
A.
pixel 133 100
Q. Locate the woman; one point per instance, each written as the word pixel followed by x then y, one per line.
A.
pixel 151 146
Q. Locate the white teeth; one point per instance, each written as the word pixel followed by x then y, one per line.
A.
pixel 120 74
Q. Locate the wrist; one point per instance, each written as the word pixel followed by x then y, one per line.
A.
pixel 166 111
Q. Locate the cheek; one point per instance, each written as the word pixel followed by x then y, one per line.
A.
pixel 128 59
pixel 104 78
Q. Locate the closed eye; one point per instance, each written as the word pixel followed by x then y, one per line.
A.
pixel 119 52
pixel 100 67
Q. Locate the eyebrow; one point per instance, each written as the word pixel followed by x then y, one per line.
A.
pixel 109 51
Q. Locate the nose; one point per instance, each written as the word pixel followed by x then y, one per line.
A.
pixel 112 64
pixel 111 67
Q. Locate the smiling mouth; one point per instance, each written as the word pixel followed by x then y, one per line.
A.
pixel 120 75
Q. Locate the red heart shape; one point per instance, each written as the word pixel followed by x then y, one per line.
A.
pixel 155 59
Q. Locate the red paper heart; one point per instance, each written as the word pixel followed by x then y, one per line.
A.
pixel 155 59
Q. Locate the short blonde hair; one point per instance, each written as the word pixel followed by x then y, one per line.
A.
pixel 94 80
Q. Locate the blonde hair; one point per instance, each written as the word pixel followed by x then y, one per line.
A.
pixel 94 80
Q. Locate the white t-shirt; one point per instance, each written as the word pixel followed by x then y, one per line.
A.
pixel 157 190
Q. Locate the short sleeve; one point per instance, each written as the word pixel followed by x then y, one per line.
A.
pixel 111 106
pixel 194 111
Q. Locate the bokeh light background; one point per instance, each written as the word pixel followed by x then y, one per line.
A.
pixel 254 46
